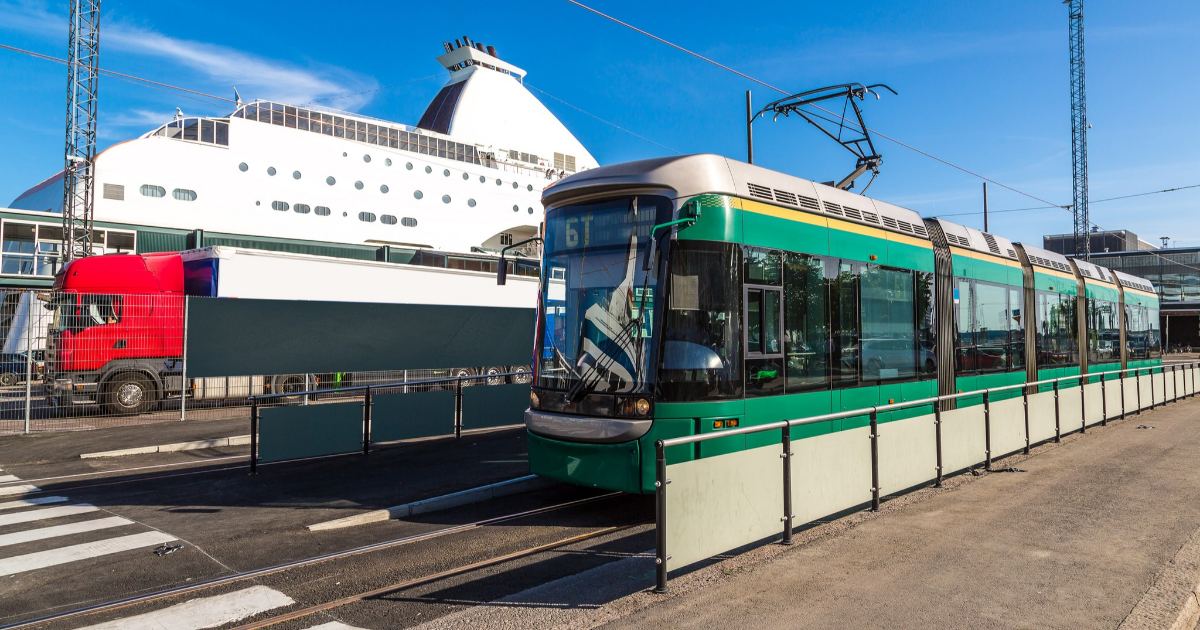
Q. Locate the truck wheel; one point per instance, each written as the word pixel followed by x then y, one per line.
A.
pixel 456 372
pixel 8 378
pixel 492 378
pixel 291 383
pixel 128 394
pixel 520 379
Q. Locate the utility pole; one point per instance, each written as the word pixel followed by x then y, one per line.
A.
pixel 1079 124
pixel 749 130
pixel 79 169
pixel 985 221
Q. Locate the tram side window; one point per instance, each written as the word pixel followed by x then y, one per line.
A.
pixel 889 349
pixel 1152 327
pixel 843 319
pixel 926 324
pixel 991 328
pixel 1102 335
pixel 702 344
pixel 1056 330
pixel 964 329
pixel 764 323
pixel 1016 330
pixel 806 337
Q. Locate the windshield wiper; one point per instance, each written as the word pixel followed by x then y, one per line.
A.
pixel 583 387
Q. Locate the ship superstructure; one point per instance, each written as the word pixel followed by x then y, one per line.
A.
pixel 467 178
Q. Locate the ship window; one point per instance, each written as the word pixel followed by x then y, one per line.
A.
pixel 387 219
pixel 149 190
pixel 295 174
pixel 182 194
pixel 418 194
pixel 330 180
pixel 301 208
pixel 408 222
pixel 383 189
pixel 466 176
pixel 498 182
pixel 531 211
pixel 408 166
pixel 366 217
pixel 516 208
pixel 321 211
pixel 446 172
pixel 358 185
pixel 243 167
pixel 367 158
pixel 471 203
pixel 482 179
pixel 445 198
pixel 388 161
pixel 428 169
pixel 271 171
pixel 529 187
pixel 281 206
pixel 515 185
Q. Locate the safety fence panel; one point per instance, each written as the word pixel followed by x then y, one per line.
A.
pixel 1159 383
pixel 1008 426
pixel 1144 385
pixel 1041 417
pixel 496 406
pixel 830 473
pixel 721 503
pixel 1093 406
pixel 413 415
pixel 1131 394
pixel 963 439
pixel 1070 410
pixel 907 453
pixel 1112 398
pixel 309 431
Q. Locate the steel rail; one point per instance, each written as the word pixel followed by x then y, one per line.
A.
pixel 278 568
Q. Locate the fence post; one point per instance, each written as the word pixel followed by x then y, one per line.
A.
pixel 787 485
pixel 458 407
pixel 1122 383
pixel 183 388
pixel 1083 404
pixel 367 404
pixel 254 437
pixel 1057 419
pixel 937 432
pixel 660 517
pixel 874 460
pixel 987 430
pixel 1103 401
pixel 1137 380
pixel 1152 404
pixel 1025 405
pixel 29 358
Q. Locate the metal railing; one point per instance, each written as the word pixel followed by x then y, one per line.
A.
pixel 367 404
pixel 785 426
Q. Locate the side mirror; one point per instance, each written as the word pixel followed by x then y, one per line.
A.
pixel 502 272
pixel 648 259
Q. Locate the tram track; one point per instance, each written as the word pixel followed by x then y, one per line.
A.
pixel 214 583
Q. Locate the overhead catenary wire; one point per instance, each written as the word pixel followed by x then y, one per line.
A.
pixel 1049 204
pixel 610 124
pixel 1142 194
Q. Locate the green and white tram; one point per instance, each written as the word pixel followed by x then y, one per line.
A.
pixel 696 294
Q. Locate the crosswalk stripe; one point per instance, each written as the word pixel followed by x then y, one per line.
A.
pixel 45 513
pixel 43 533
pixel 63 555
pixel 9 491
pixel 7 478
pixel 205 612
pixel 28 502
pixel 334 625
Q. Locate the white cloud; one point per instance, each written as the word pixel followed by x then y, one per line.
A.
pixel 213 67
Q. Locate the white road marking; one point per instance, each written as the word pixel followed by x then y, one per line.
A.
pixel 43 533
pixel 44 513
pixel 334 625
pixel 63 555
pixel 15 490
pixel 7 478
pixel 205 612
pixel 28 502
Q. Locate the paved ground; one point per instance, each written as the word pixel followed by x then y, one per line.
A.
pixel 1074 542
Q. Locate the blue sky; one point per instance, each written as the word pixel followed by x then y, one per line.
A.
pixel 983 85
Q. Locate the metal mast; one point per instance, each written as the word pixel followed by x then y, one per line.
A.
pixel 79 167
pixel 1079 124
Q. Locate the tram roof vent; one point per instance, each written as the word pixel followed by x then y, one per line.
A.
pixel 991 243
pixel 762 192
pixel 808 203
pixel 833 208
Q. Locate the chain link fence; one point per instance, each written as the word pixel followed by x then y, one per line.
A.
pixel 77 361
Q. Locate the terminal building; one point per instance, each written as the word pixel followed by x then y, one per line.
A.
pixel 1174 271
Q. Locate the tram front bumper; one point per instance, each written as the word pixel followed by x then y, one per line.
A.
pixel 591 430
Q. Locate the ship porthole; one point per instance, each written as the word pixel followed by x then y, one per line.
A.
pixel 515 185
pixel 358 185
pixel 418 194
pixel 428 169
pixel 366 158
pixel 531 211
pixel 529 187
pixel 383 189
pixel 482 179
pixel 516 208
pixel 295 174
pixel 258 203
pixel 330 180
pixel 271 171
pixel 498 182
pixel 243 167
pixel 387 161
pixel 446 172
pixel 445 198
pixel 466 176
pixel 408 166
pixel 471 203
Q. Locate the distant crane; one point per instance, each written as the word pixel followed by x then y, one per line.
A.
pixel 79 169
pixel 1079 127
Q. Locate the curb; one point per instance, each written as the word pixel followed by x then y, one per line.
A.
pixel 1173 601
pixel 236 440
pixel 444 502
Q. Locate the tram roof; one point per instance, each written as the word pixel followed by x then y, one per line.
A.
pixel 1039 257
pixel 1133 282
pixel 690 175
pixel 1092 271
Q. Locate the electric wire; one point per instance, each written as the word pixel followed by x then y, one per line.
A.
pixel 1143 194
pixel 610 124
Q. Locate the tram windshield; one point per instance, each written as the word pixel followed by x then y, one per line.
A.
pixel 597 302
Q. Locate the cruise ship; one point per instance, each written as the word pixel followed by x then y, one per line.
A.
pixel 466 179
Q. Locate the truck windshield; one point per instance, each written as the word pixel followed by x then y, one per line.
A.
pixel 597 301
pixel 72 312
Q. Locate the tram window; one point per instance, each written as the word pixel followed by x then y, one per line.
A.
pixel 843 319
pixel 1056 330
pixel 702 333
pixel 964 330
pixel 1016 328
pixel 926 324
pixel 763 267
pixel 764 350
pixel 1152 329
pixel 991 328
pixel 806 339
pixel 888 348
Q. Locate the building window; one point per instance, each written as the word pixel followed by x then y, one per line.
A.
pixel 271 171
pixel 471 203
pixel 301 208
pixel 330 180
pixel 149 190
pixel 408 222
pixel 418 194
pixel 182 194
pixel 366 217
pixel 445 198
pixel 321 211
pixel 281 206
pixel 358 185
pixel 295 174
pixel 383 189
pixel 387 219
pixel 243 167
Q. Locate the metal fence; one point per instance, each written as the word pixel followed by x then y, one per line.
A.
pixel 85 361
pixel 708 506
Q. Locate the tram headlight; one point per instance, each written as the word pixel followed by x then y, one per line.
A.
pixel 533 400
pixel 642 406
